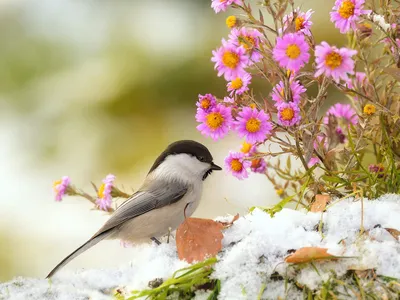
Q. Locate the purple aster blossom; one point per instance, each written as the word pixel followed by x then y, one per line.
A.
pixel 60 187
pixel 340 135
pixel 313 161
pixel 342 111
pixel 334 62
pixel 249 39
pixel 248 149
pixel 302 21
pixel 230 60
pixel 239 85
pixel 222 5
pixel 236 164
pixel 288 113
pixel 346 13
pixel 252 124
pixel 296 88
pixel 215 123
pixel 104 199
pixel 229 100
pixel 291 51
pixel 258 165
pixel 206 102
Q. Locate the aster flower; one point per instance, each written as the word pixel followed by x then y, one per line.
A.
pixel 239 85
pixel 206 102
pixel 248 149
pixel 313 161
pixel 222 5
pixel 215 123
pixel 346 13
pixel 236 164
pixel 278 93
pixel 249 39
pixel 252 124
pixel 231 21
pixel 302 21
pixel 369 109
pixel 342 111
pixel 288 113
pixel 230 60
pixel 229 100
pixel 334 62
pixel 258 165
pixel 291 51
pixel 104 199
pixel 60 187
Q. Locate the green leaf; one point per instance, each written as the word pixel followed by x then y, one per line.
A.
pixel 333 179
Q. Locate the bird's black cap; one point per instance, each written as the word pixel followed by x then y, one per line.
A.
pixel 189 147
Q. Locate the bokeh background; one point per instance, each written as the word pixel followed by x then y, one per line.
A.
pixel 94 87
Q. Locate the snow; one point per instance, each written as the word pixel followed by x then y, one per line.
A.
pixel 253 248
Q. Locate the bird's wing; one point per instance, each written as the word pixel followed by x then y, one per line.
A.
pixel 152 196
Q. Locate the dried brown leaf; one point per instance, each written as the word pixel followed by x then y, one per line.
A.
pixel 197 239
pixel 394 232
pixel 307 254
pixel 230 223
pixel 320 203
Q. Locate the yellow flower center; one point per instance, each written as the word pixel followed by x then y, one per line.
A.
pixel 255 163
pixel 369 109
pixel 247 42
pixel 100 193
pixel 236 83
pixel 293 51
pixel 56 184
pixel 230 21
pixel 252 105
pixel 246 147
pixel 205 103
pixel 253 125
pixel 299 21
pixel 236 165
pixel 230 59
pixel 279 192
pixel 347 9
pixel 333 60
pixel 287 114
pixel 214 120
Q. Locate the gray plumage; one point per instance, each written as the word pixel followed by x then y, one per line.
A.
pixel 171 191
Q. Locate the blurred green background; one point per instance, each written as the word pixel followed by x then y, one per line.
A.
pixel 91 87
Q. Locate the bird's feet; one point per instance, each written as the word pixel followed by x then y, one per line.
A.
pixel 155 240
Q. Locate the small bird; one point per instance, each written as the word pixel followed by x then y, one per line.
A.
pixel 170 193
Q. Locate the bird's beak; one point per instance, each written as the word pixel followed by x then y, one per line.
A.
pixel 215 167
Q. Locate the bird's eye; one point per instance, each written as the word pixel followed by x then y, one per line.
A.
pixel 202 158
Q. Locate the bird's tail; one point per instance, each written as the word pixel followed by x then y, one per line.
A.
pixel 90 243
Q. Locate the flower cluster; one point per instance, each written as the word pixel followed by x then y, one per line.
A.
pixel 291 61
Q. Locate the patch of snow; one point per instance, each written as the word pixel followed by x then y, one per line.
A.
pixel 254 248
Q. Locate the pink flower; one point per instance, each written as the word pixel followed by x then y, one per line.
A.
pixel 229 100
pixel 302 21
pixel 334 62
pixel 215 123
pixel 254 125
pixel 313 161
pixel 248 149
pixel 346 13
pixel 104 199
pixel 230 60
pixel 206 102
pixel 239 85
pixel 60 187
pixel 342 111
pixel 288 113
pixel 291 51
pixel 222 5
pixel 278 93
pixel 236 164
pixel 249 39
pixel 258 165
